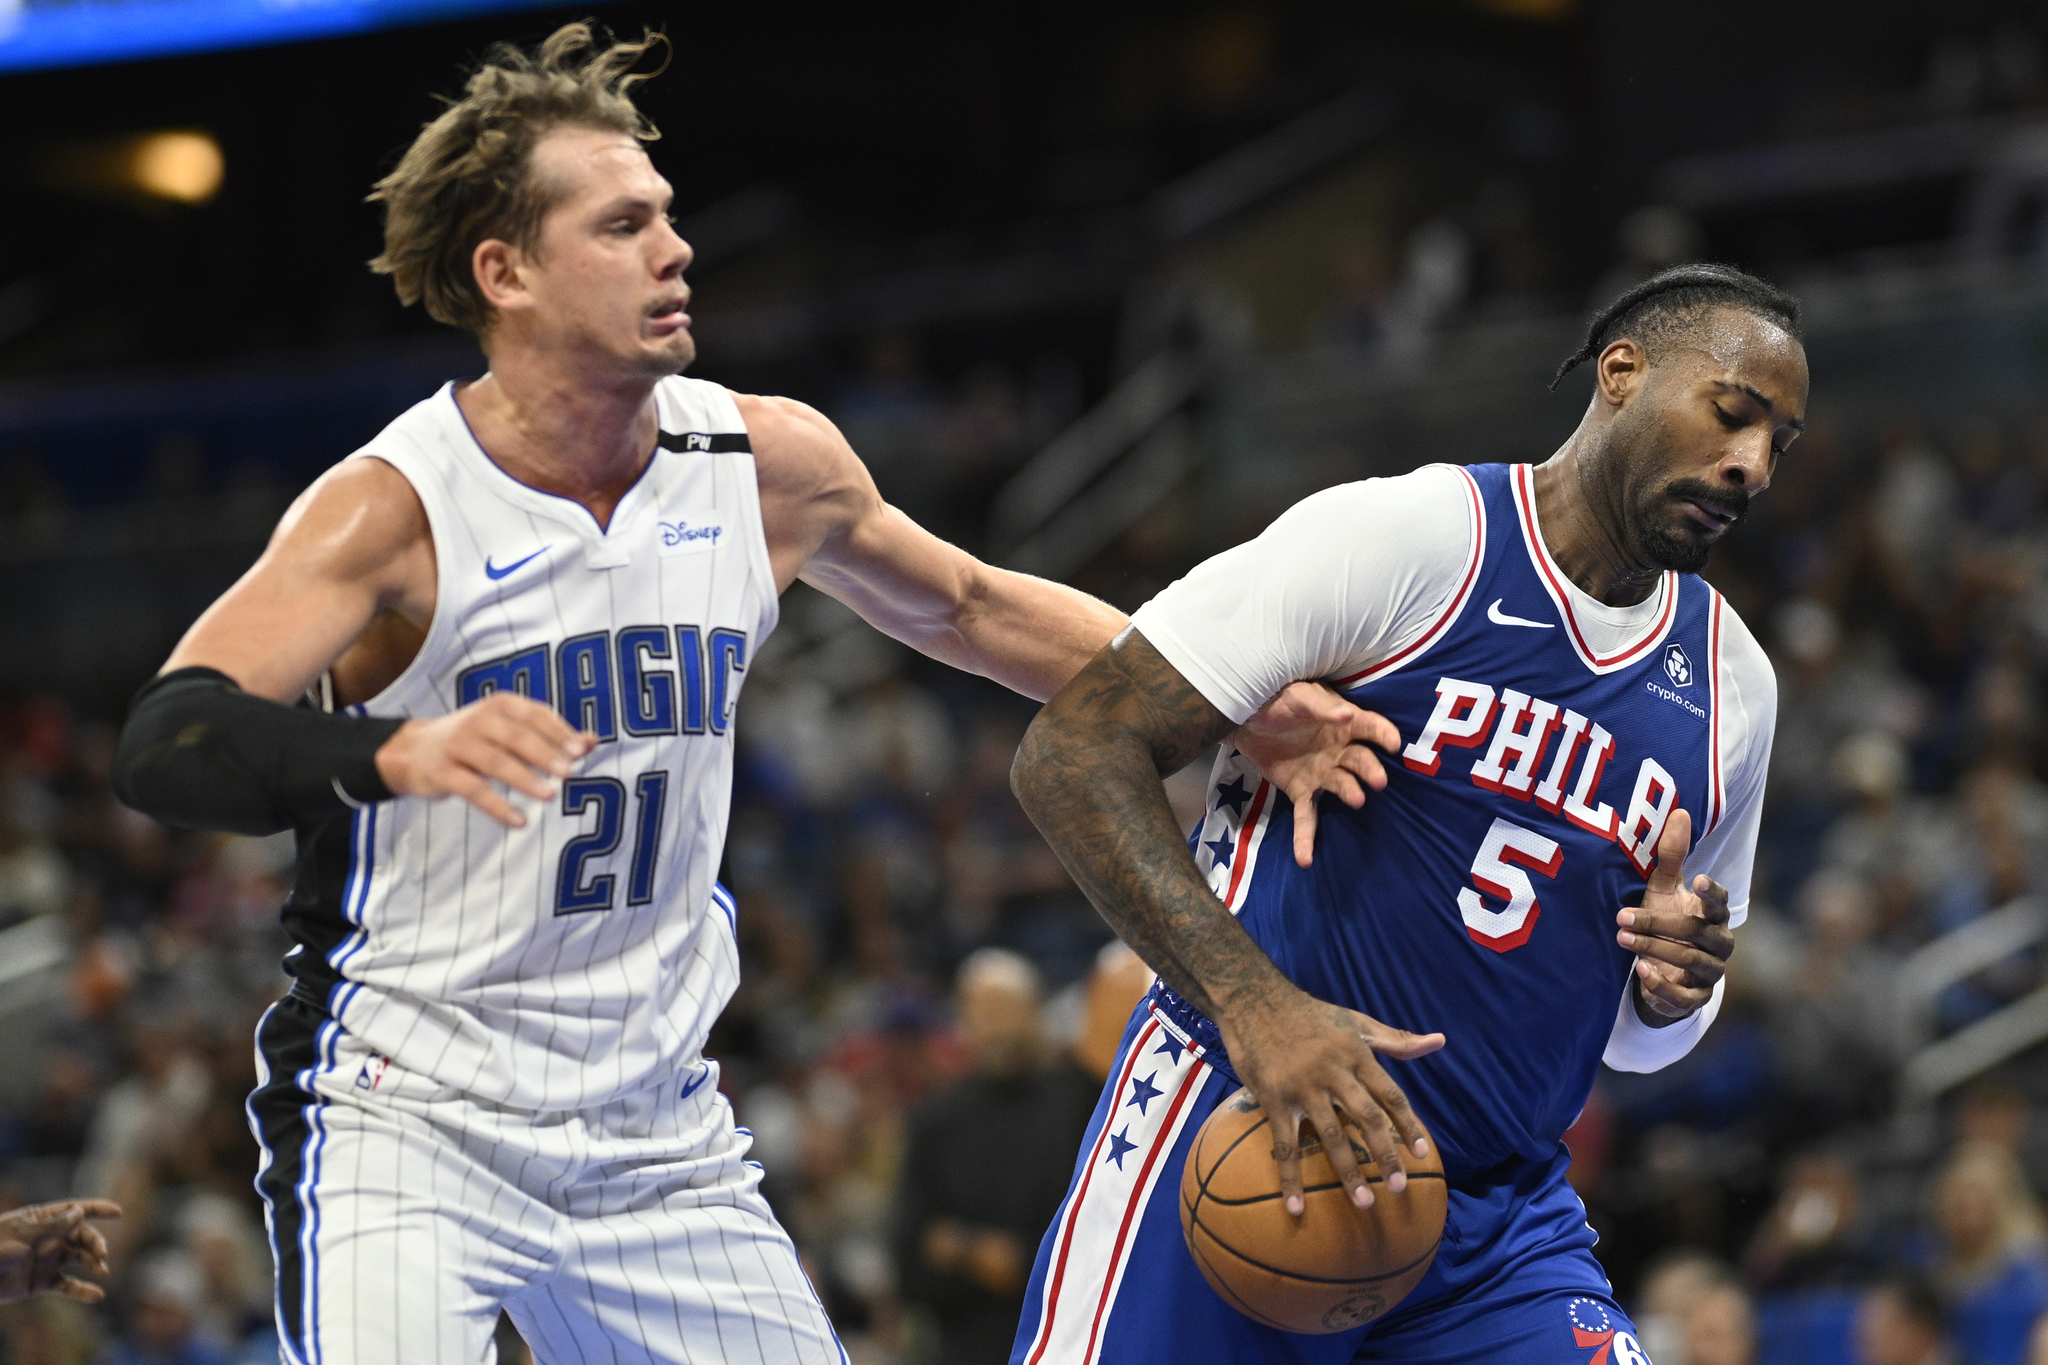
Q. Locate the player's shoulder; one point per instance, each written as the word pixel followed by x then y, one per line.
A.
pixel 1748 693
pixel 701 405
pixel 355 519
pixel 798 452
pixel 1440 492
pixel 1422 518
pixel 1743 658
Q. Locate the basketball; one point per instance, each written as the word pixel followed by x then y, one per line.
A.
pixel 1334 1268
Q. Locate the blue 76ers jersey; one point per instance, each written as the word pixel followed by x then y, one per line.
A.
pixel 1476 895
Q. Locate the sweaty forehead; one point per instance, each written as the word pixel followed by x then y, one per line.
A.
pixel 596 161
pixel 1735 346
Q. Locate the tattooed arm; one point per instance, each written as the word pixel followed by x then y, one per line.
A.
pixel 1088 772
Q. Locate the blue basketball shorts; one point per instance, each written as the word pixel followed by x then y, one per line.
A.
pixel 1513 1281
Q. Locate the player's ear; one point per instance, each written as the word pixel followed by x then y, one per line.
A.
pixel 1620 371
pixel 497 265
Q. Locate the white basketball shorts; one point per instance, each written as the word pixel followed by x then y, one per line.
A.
pixel 404 1214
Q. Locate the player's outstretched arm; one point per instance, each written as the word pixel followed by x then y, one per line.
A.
pixel 827 524
pixel 1088 772
pixel 211 743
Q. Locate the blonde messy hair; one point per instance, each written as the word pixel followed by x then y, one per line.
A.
pixel 467 177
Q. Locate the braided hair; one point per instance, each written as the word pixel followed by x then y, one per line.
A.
pixel 1673 302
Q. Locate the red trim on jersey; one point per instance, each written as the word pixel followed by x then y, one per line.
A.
pixel 1716 797
pixel 1240 859
pixel 1476 523
pixel 1059 1269
pixel 1525 504
pixel 1160 1142
pixel 1507 943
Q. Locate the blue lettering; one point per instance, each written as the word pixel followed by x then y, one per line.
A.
pixel 728 657
pixel 525 673
pixel 647 696
pixel 573 895
pixel 690 661
pixel 585 664
pixel 652 789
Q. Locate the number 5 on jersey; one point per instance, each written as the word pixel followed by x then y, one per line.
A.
pixel 1501 869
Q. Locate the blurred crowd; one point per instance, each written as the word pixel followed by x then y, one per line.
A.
pixel 928 1006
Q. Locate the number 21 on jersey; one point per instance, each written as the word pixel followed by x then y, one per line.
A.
pixel 576 893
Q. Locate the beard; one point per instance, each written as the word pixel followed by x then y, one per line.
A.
pixel 1666 536
pixel 1656 528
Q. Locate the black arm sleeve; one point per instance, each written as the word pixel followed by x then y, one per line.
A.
pixel 201 753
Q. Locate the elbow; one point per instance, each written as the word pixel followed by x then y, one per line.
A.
pixel 1044 772
pixel 1027 768
pixel 143 740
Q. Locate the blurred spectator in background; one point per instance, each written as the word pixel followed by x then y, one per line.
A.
pixel 987 1163
pixel 1837 1019
pixel 49 1331
pixel 1652 238
pixel 227 1246
pixel 1815 1234
pixel 33 877
pixel 164 1321
pixel 1899 1323
pixel 1119 981
pixel 140 1124
pixel 1720 1327
pixel 1994 1113
pixel 1674 1284
pixel 1992 1272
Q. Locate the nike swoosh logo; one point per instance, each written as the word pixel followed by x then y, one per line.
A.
pixel 491 571
pixel 1501 618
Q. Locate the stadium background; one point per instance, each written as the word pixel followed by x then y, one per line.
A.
pixel 1097 290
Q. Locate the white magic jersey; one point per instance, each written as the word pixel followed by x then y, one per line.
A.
pixel 566 963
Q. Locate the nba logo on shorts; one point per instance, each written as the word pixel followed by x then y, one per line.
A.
pixel 1676 666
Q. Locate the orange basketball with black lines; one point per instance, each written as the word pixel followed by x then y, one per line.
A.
pixel 1334 1268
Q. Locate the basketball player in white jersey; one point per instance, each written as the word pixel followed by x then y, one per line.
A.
pixel 540 592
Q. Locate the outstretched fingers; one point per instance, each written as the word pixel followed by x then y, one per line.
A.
pixel 1305 827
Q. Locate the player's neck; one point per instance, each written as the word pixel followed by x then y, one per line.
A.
pixel 1580 520
pixel 563 434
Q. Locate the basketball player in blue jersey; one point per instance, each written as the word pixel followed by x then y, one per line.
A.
pixel 1549 871
pixel 539 592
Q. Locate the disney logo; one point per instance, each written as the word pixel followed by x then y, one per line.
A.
pixel 682 533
